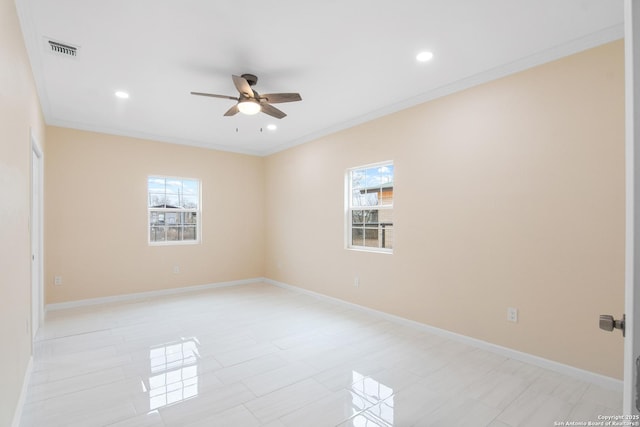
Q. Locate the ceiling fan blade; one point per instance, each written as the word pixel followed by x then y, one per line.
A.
pixel 232 111
pixel 275 98
pixel 243 86
pixel 272 111
pixel 214 95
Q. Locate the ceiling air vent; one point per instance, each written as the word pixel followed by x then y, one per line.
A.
pixel 62 49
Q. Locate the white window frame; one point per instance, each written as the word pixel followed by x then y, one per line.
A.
pixel 197 211
pixel 348 235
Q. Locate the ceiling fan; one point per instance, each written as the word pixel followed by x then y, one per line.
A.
pixel 250 101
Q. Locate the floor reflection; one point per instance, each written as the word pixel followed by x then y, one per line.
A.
pixel 374 396
pixel 174 369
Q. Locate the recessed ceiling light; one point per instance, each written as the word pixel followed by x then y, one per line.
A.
pixel 424 56
pixel 272 127
pixel 122 95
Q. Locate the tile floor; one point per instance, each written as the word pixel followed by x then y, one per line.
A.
pixel 258 355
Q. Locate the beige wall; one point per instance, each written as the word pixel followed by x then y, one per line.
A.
pixel 509 194
pixel 96 216
pixel 19 111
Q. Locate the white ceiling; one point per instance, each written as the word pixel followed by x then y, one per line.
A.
pixel 351 60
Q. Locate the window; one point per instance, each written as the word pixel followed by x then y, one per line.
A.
pixel 370 207
pixel 174 210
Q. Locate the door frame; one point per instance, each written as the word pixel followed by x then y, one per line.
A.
pixel 36 227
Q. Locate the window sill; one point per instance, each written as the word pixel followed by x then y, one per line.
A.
pixel 175 243
pixel 370 250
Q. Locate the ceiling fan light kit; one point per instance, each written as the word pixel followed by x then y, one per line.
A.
pixel 250 102
pixel 249 107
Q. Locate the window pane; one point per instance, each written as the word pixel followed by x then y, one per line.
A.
pixel 156 184
pixel 154 218
pixel 174 233
pixel 386 175
pixel 371 196
pixel 371 217
pixel 173 187
pixel 357 198
pixel 173 201
pixel 358 179
pixel 357 218
pixel 191 192
pixel 357 236
pixel 157 200
pixel 157 234
pixel 190 218
pixel 387 237
pixel 172 218
pixel 371 237
pixel 379 176
pixel 189 233
pixel 387 195
pixel 385 216
pixel 189 202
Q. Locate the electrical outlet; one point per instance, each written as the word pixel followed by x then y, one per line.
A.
pixel 57 280
pixel 512 314
pixel 176 269
pixel 356 282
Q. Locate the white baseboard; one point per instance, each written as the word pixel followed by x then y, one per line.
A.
pixel 17 415
pixel 148 294
pixel 581 374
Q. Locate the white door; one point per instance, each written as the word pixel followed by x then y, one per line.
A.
pixel 36 238
pixel 632 158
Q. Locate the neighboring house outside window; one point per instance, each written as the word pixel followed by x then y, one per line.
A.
pixel 174 210
pixel 370 207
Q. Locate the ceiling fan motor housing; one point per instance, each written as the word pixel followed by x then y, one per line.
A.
pixel 252 79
